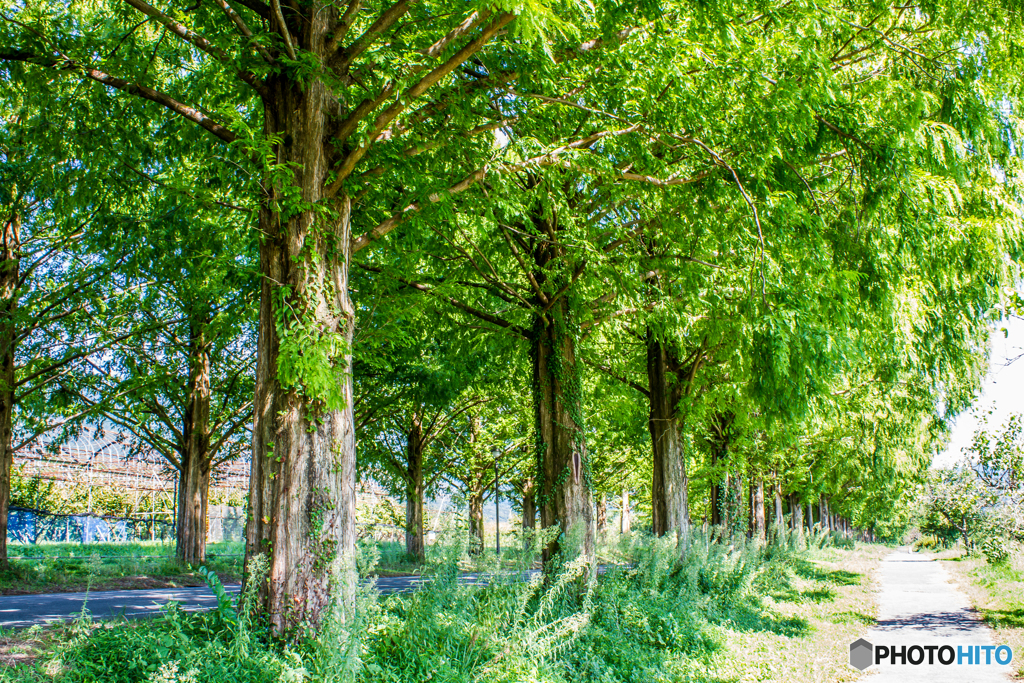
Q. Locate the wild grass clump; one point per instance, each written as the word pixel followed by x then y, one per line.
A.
pixel 654 616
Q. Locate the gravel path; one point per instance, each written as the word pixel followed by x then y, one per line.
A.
pixel 919 605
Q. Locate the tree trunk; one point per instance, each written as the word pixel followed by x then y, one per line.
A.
pixel 779 520
pixel 10 266
pixel 302 488
pixel 476 516
pixel 720 483
pixel 759 521
pixel 625 523
pixel 669 504
pixel 196 465
pixel 602 512
pixel 562 465
pixel 797 514
pixel 823 512
pixel 529 505
pixel 414 543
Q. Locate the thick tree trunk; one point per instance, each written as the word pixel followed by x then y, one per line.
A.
pixel 10 266
pixel 823 512
pixel 302 488
pixel 625 521
pixel 194 479
pixel 562 467
pixel 669 501
pixel 758 511
pixel 414 536
pixel 602 512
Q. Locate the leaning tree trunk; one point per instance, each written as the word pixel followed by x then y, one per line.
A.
pixel 10 262
pixel 563 470
pixel 669 503
pixel 194 473
pixel 302 488
pixel 414 535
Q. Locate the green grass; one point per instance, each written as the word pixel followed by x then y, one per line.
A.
pixel 657 618
pixel 59 567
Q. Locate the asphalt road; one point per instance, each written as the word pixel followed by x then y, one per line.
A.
pixel 22 611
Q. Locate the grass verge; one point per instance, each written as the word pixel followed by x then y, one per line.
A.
pixel 727 611
pixel 997 592
pixel 72 567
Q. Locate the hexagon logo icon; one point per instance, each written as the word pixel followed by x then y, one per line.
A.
pixel 861 654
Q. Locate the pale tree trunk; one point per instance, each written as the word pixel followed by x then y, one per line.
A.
pixel 302 488
pixel 810 517
pixel 414 535
pixel 669 501
pixel 602 512
pixel 562 466
pixel 625 523
pixel 779 519
pixel 194 479
pixel 823 512
pixel 758 511
pixel 10 263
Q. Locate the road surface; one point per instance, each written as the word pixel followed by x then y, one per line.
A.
pixel 919 605
pixel 21 611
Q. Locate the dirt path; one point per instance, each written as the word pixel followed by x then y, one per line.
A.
pixel 919 605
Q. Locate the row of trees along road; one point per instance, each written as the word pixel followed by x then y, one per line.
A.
pixel 725 250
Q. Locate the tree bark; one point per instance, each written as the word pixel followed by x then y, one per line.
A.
pixel 10 266
pixel 476 516
pixel 669 500
pixel 758 508
pixel 302 487
pixel 529 505
pixel 196 465
pixel 565 498
pixel 602 512
pixel 414 535
pixel 625 523
pixel 779 520
pixel 797 514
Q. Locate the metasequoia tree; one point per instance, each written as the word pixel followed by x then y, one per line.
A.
pixel 63 301
pixel 186 390
pixel 313 96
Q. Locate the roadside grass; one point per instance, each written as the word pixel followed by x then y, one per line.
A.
pixel 71 567
pixel 728 612
pixel 827 603
pixel 997 592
